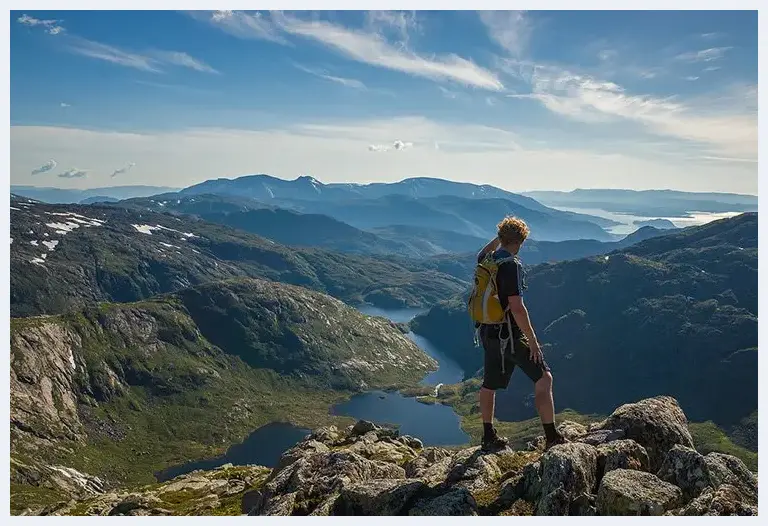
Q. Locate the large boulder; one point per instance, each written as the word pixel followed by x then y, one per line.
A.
pixel 454 502
pixel 377 497
pixel 311 478
pixel 693 472
pixel 632 492
pixel 727 469
pixel 686 468
pixel 620 454
pixel 657 424
pixel 725 500
pixel 572 466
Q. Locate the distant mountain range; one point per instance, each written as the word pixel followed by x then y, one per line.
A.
pixel 674 314
pixel 648 203
pixel 318 230
pixel 422 202
pixel 67 196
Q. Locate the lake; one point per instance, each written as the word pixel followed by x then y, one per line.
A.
pixel 433 424
pixel 264 447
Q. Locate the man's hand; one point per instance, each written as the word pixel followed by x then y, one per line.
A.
pixel 536 355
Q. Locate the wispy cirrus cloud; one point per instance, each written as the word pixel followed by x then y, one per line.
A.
pixel 397 24
pixel 704 55
pixel 375 50
pixel 509 29
pixel 251 26
pixel 123 169
pixel 47 167
pixel 179 58
pixel 723 124
pixel 73 173
pixel 368 45
pixel 52 27
pixel 99 51
pixel 347 82
pixel 152 61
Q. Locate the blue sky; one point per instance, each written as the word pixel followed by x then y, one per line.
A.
pixel 522 100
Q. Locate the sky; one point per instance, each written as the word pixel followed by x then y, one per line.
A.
pixel 535 100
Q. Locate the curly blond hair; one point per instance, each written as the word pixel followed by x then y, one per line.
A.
pixel 512 231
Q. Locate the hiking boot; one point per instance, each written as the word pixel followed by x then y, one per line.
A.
pixel 559 439
pixel 493 442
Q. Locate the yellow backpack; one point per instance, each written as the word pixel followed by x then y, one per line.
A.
pixel 484 304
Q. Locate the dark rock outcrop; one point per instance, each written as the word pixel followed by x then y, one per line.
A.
pixel 367 469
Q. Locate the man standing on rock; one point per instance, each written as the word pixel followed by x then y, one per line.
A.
pixel 512 342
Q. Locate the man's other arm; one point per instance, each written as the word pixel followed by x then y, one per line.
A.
pixel 493 244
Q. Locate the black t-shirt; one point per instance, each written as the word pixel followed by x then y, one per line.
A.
pixel 510 280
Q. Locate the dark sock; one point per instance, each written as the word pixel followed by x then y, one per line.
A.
pixel 487 429
pixel 550 431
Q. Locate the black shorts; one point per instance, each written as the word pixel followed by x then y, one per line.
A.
pixel 499 363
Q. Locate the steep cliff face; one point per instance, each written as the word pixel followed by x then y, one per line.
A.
pixel 639 461
pixel 119 391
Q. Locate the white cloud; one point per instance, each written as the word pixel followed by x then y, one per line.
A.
pixel 123 169
pixel 47 167
pixel 375 50
pixel 705 55
pixel 349 83
pixel 52 27
pixel 65 105
pixel 509 29
pixel 399 24
pixel 397 145
pixel 73 173
pixel 97 50
pixel 252 26
pixel 153 61
pixel 338 152
pixel 727 130
pixel 179 58
pixel 691 78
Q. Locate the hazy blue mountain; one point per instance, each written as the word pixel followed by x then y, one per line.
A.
pixel 265 187
pixel 64 196
pixel 98 199
pixel 648 203
pixel 656 223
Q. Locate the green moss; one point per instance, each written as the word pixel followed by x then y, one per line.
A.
pixel 33 497
pixel 708 437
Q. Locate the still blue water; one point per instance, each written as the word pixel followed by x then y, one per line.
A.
pixel 263 447
pixel 435 425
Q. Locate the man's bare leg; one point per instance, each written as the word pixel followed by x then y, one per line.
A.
pixel 487 404
pixel 545 405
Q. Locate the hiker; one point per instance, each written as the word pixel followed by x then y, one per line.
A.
pixel 504 328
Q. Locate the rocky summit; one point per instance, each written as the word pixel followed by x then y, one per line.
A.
pixel 638 461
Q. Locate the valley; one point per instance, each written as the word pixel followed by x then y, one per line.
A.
pixel 185 331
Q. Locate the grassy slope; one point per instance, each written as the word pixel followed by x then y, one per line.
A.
pixel 187 399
